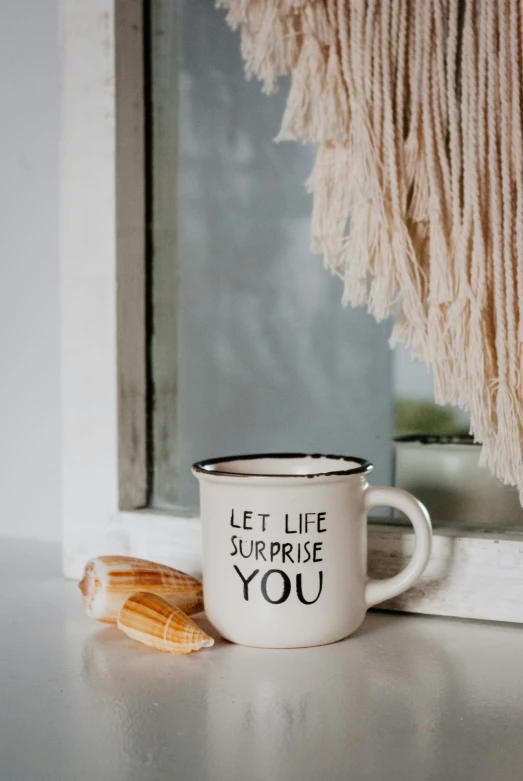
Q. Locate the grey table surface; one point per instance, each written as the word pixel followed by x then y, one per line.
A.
pixel 407 697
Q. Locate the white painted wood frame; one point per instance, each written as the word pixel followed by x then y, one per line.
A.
pixel 103 345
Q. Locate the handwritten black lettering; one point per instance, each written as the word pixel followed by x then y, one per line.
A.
pixel 246 582
pixel 232 521
pixel 264 516
pixel 299 589
pixel 307 551
pixel 286 583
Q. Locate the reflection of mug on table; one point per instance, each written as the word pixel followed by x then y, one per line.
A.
pixel 352 710
pixel 285 547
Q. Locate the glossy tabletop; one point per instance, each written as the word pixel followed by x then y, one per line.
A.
pixel 407 697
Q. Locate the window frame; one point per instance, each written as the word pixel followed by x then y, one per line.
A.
pixel 103 346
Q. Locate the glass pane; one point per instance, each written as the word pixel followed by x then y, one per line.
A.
pixel 414 409
pixel 436 460
pixel 251 349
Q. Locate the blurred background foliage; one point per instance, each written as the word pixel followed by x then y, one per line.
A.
pixel 419 416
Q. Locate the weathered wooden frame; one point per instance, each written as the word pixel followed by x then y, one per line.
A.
pixel 103 347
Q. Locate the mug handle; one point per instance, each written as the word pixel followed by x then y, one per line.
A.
pixel 379 590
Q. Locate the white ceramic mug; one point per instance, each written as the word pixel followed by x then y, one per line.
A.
pixel 285 547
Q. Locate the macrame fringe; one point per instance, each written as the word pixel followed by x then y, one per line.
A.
pixel 417 188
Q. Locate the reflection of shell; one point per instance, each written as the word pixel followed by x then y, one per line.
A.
pixel 109 580
pixel 154 621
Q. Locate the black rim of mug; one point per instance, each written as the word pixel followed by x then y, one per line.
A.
pixel 201 467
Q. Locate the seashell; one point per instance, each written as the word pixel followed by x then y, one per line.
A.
pixel 152 620
pixel 109 580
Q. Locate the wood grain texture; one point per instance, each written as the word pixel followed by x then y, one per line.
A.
pixel 164 180
pixel 469 576
pixel 130 254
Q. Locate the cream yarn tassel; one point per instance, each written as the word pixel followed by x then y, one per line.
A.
pixel 416 108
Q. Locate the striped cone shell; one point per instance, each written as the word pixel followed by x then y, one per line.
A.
pixel 109 580
pixel 152 620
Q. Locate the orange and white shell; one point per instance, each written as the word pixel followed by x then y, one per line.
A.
pixel 152 620
pixel 109 580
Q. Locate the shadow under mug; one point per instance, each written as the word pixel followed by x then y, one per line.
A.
pixel 285 546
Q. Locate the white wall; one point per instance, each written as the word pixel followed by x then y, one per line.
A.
pixel 29 379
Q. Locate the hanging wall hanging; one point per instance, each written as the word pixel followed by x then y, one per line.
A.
pixel 415 107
